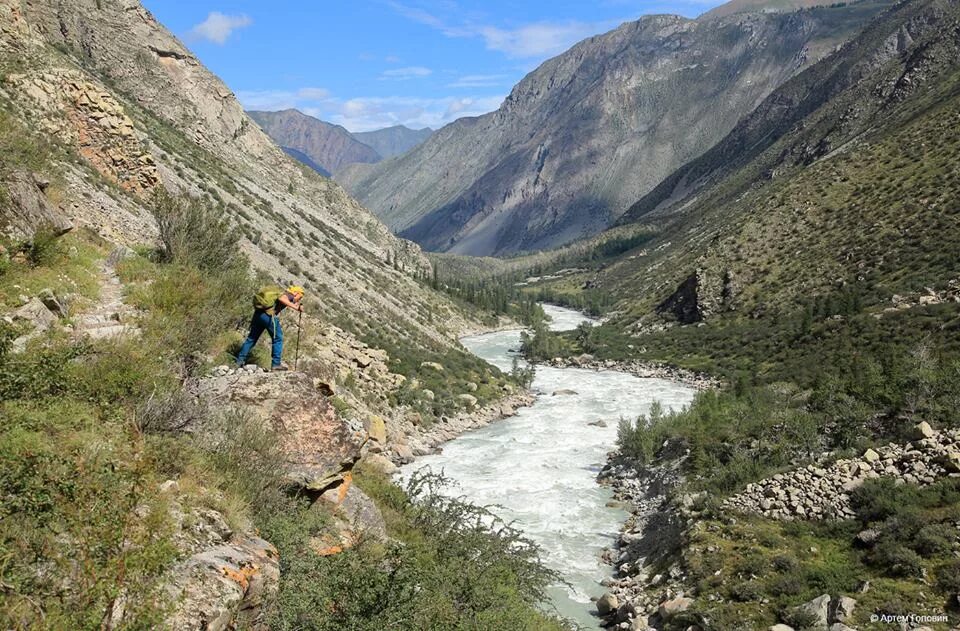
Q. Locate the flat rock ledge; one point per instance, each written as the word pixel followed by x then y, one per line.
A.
pixel 824 492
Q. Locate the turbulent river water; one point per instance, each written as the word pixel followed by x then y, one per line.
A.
pixel 540 466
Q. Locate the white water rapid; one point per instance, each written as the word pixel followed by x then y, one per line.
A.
pixel 540 466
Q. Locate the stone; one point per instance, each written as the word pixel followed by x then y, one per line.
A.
pixel 669 608
pixel 224 587
pixel 639 624
pixel 467 400
pixel 27 211
pixel 867 538
pixel 564 392
pixel 377 429
pixel 607 604
pixel 404 452
pixel 951 461
pixel 841 609
pixel 35 313
pixel 53 303
pixel 380 463
pixel 871 456
pixel 432 366
pixel 471 387
pixel 818 609
pixel 428 394
pixel 781 627
pixel 170 486
pixel 923 430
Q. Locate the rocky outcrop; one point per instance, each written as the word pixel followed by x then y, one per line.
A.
pixel 225 577
pixel 815 492
pixel 320 447
pixel 25 210
pixel 88 117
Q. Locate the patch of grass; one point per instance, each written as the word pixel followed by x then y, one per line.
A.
pixel 68 268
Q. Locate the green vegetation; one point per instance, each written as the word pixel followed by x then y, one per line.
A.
pixel 92 429
pixel 759 570
pixel 452 566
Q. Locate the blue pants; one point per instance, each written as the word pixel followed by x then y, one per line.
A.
pixel 262 321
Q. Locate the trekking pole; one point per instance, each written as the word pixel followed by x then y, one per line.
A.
pixel 296 358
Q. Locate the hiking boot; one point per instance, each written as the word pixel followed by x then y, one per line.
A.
pixel 279 368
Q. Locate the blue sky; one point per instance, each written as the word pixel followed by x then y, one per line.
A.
pixel 369 64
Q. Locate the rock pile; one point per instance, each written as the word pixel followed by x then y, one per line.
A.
pixel 824 492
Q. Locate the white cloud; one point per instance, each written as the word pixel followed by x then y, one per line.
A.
pixel 410 72
pixel 370 113
pixel 535 40
pixel 478 81
pixel 272 100
pixel 218 27
pixel 542 39
pixel 392 59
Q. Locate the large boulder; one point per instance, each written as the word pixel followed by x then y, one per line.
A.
pixel 607 604
pixel 25 211
pixel 670 608
pixel 224 587
pixel 320 447
pixel 817 611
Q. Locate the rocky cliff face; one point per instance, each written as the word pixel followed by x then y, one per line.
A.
pixel 330 146
pixel 589 132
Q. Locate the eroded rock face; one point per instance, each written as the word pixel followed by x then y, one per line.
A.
pixel 224 586
pixel 320 446
pixel 26 209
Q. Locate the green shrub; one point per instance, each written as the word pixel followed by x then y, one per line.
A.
pixel 896 560
pixel 455 567
pixel 948 577
pixel 44 248
pixel 194 233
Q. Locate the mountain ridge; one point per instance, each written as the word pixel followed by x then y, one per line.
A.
pixel 584 135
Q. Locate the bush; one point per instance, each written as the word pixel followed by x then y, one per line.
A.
pixel 896 560
pixel 948 577
pixel 456 567
pixel 193 233
pixel 44 248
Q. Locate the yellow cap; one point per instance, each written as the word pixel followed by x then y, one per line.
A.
pixel 295 289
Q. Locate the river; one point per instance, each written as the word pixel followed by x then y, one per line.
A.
pixel 540 466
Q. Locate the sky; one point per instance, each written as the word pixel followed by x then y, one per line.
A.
pixel 370 64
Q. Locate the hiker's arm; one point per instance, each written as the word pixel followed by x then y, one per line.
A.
pixel 285 299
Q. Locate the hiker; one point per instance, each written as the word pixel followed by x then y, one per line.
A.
pixel 267 305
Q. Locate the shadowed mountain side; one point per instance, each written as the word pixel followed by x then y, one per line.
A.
pixel 605 121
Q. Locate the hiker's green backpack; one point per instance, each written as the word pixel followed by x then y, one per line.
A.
pixel 266 298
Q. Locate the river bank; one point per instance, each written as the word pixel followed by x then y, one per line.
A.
pixel 415 440
pixel 653 530
pixel 639 368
